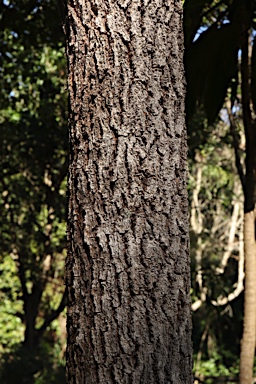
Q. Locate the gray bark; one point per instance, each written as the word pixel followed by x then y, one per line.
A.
pixel 128 273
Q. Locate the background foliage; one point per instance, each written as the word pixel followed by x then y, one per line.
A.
pixel 220 68
pixel 33 168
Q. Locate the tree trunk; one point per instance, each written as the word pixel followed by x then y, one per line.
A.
pixel 248 341
pixel 128 273
pixel 249 327
pixel 31 307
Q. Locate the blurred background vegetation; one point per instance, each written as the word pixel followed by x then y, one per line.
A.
pixel 33 168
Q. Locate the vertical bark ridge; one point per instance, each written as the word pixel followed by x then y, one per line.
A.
pixel 128 261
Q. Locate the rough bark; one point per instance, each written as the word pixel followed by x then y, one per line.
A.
pixel 128 275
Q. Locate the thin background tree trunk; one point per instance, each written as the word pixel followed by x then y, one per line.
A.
pixel 248 341
pixel 249 328
pixel 128 274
